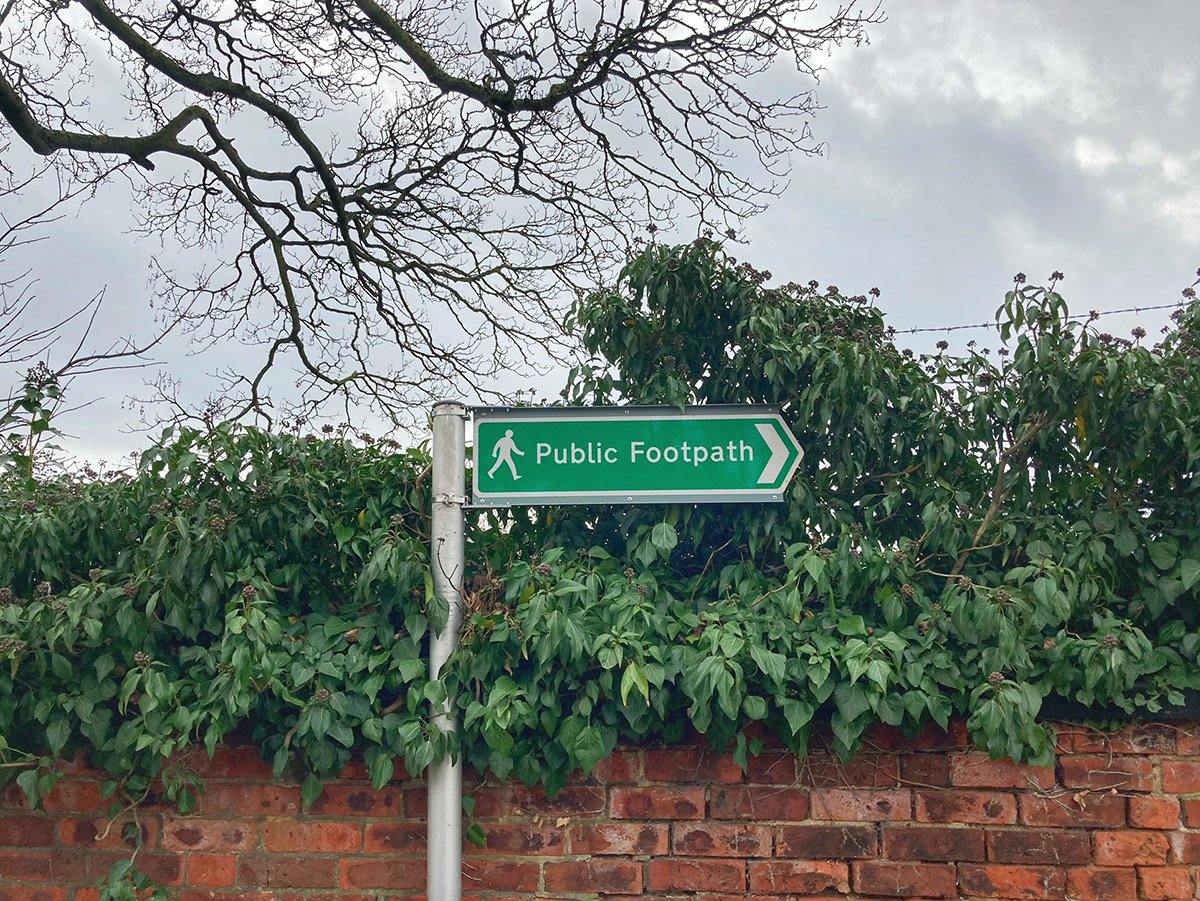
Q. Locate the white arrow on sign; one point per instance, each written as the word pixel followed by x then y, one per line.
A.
pixel 779 453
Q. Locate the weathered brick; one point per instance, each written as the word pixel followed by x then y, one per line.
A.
pixel 696 764
pixel 1147 738
pixel 195 834
pixel 57 866
pixel 966 807
pixel 759 802
pixel 399 873
pixel 237 895
pixel 981 771
pixel 827 842
pixel 905 880
pixel 1154 813
pixel 860 805
pixel 1181 776
pixel 520 839
pixel 1185 847
pixel 161 866
pixel 250 800
pixel 1034 846
pixel 706 874
pixel 1165 883
pixel 604 877
pixel 27 832
pixel 233 762
pixel 32 893
pixel 1010 881
pixel 630 839
pixel 315 837
pixel 78 796
pixel 866 770
pixel 572 801
pixel 799 877
pixel 722 840
pixel 352 800
pixel 498 875
pixel 1126 847
pixel 103 833
pixel 1101 884
pixel 771 768
pixel 933 843
pixel 1099 772
pixel 619 767
pixel 657 803
pixel 924 770
pixel 204 870
pixel 1191 811
pixel 280 871
pixel 1069 810
pixel 395 838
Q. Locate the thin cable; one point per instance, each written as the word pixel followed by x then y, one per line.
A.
pixel 992 325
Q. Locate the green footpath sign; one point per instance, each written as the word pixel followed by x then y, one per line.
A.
pixel 620 455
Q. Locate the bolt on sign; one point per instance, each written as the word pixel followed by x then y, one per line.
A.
pixel 617 455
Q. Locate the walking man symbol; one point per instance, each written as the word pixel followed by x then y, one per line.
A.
pixel 502 453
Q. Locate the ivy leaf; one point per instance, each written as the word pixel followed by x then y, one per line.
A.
pixel 311 789
pixel 634 678
pixel 664 537
pixel 1189 572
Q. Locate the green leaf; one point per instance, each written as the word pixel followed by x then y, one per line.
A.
pixel 1189 572
pixel 664 537
pixel 311 789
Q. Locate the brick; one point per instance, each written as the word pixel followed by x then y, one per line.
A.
pixel 498 875
pixel 1126 847
pixel 520 839
pixel 604 877
pixel 234 763
pixel 397 873
pixel 1154 813
pixel 1034 846
pixel 866 770
pixel 1191 811
pixel 211 869
pixel 1100 884
pixel 39 866
pixel 1137 739
pixel 194 834
pixel 350 800
pixel 657 803
pixel 1100 772
pixel 204 895
pixel 708 874
pixel 619 767
pixel 799 877
pixel 771 768
pixel 925 770
pixel 73 796
pixel 27 832
pixel 629 839
pixel 278 871
pixel 572 801
pixel 250 800
pixel 308 837
pixel 1067 810
pixel 1165 883
pixel 1181 776
pixel 690 765
pixel 393 838
pixel 98 833
pixel 933 843
pixel 161 866
pixel 1185 847
pixel 932 737
pixel 32 893
pixel 1187 741
pixel 905 880
pixel 966 807
pixel 860 805
pixel 759 802
pixel 981 771
pixel 827 842
pixel 722 840
pixel 1009 881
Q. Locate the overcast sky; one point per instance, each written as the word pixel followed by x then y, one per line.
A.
pixel 965 143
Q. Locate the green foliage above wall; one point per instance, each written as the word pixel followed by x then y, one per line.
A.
pixel 966 535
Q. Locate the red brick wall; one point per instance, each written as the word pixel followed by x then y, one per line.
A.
pixel 1117 817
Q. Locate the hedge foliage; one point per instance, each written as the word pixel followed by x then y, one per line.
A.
pixel 967 534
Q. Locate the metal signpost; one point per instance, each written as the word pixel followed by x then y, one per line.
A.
pixel 527 456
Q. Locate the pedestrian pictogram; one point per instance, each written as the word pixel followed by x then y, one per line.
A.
pixel 502 454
